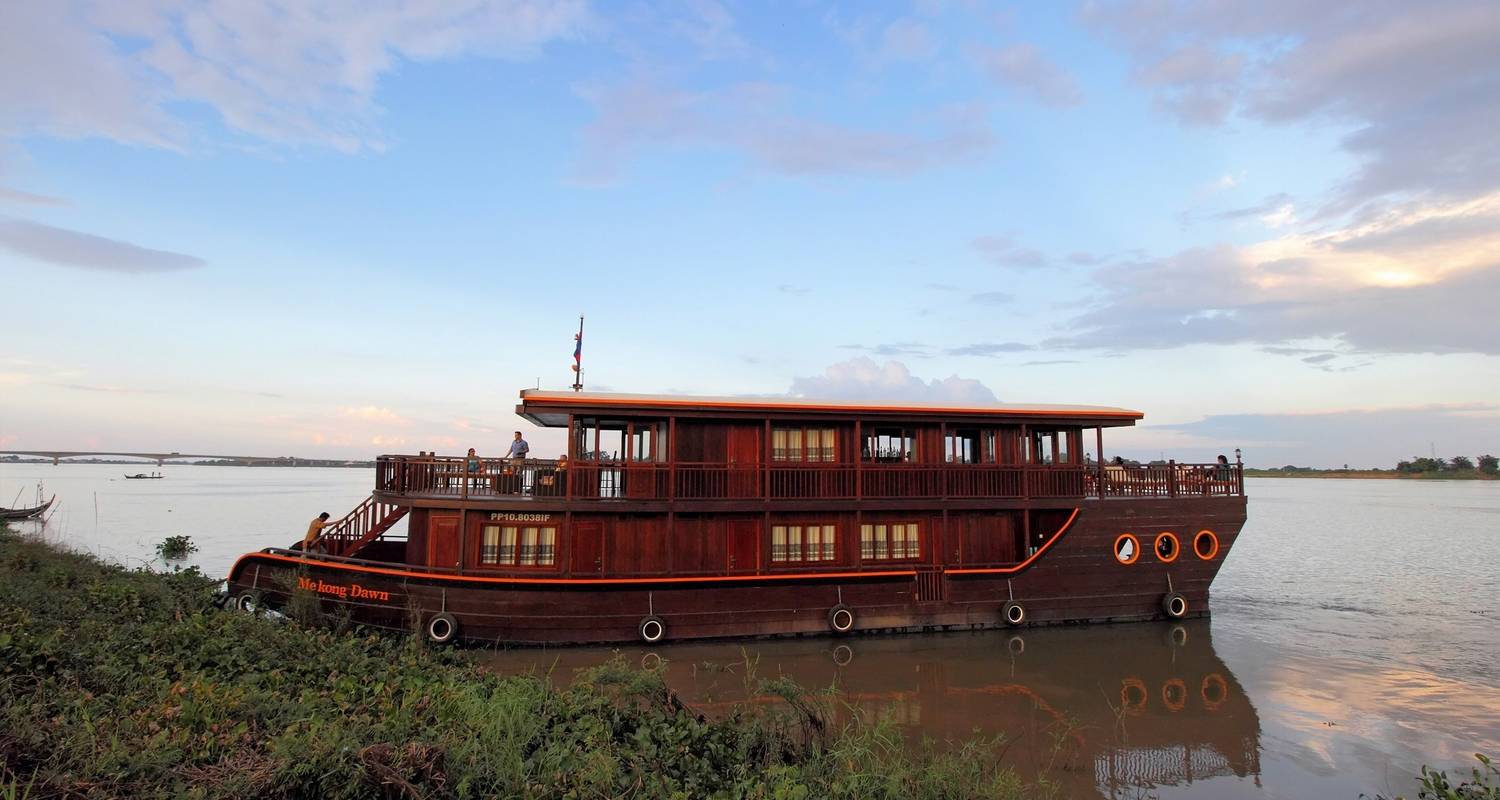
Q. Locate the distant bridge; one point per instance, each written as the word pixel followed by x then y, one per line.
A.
pixel 160 458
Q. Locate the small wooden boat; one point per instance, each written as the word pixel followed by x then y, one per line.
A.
pixel 26 513
pixel 141 476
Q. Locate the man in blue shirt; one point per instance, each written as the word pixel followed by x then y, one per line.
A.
pixel 519 448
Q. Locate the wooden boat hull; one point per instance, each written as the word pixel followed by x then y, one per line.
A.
pixel 1076 577
pixel 12 514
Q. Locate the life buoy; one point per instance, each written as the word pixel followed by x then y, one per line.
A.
pixel 248 601
pixel 841 618
pixel 1014 614
pixel 652 629
pixel 442 628
pixel 1174 605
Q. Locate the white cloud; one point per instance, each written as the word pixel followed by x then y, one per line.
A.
pixel 907 39
pixel 1414 84
pixel 86 251
pixel 284 71
pixel 753 120
pixel 1280 217
pixel 1005 251
pixel 1025 68
pixel 17 196
pixel 1419 278
pixel 864 379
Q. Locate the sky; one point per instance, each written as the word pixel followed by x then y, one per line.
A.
pixel 338 228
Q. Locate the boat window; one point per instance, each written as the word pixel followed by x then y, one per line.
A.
pixel 802 543
pixel 645 441
pixel 802 444
pixel 489 548
pixel 890 445
pixel 511 545
pixel 616 439
pixel 966 447
pixel 882 542
pixel 1043 447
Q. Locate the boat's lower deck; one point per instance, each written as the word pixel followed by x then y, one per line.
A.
pixel 1103 561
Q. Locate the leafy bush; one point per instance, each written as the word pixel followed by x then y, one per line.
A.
pixel 175 547
pixel 120 683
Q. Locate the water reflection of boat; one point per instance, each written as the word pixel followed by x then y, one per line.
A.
pixel 1111 708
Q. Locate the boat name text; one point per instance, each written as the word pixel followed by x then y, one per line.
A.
pixel 342 591
pixel 508 517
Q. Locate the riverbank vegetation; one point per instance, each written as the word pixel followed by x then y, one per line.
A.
pixel 125 683
pixel 1485 467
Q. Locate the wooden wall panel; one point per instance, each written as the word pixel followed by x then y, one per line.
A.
pixel 700 545
pixel 416 536
pixel 637 545
pixel 985 538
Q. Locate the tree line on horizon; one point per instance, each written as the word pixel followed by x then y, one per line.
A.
pixel 1488 464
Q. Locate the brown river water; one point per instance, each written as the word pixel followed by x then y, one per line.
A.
pixel 1355 636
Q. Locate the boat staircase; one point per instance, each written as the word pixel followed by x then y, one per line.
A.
pixel 371 518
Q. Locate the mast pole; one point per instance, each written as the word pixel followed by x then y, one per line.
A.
pixel 578 358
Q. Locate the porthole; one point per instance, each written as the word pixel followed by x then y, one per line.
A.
pixel 1167 547
pixel 1206 544
pixel 1127 548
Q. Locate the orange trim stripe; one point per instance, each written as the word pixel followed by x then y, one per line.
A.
pixel 1024 564
pixel 412 573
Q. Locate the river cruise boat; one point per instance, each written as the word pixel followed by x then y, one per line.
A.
pixel 692 517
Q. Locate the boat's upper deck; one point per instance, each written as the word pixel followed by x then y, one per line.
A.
pixel 695 450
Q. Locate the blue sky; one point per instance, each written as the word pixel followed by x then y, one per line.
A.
pixel 338 228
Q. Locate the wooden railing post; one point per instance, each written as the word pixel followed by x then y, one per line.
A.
pixel 859 462
pixel 1172 477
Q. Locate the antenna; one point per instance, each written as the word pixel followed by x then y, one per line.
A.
pixel 578 357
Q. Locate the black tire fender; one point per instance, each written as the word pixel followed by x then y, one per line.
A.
pixel 841 619
pixel 249 601
pixel 441 628
pixel 652 629
pixel 1013 613
pixel 1174 605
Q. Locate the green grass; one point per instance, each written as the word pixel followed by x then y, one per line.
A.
pixel 121 683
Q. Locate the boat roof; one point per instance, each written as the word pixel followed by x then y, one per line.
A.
pixel 551 408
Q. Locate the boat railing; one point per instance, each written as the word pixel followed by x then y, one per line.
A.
pixel 461 477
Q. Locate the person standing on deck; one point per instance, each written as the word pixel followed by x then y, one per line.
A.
pixel 519 448
pixel 314 532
